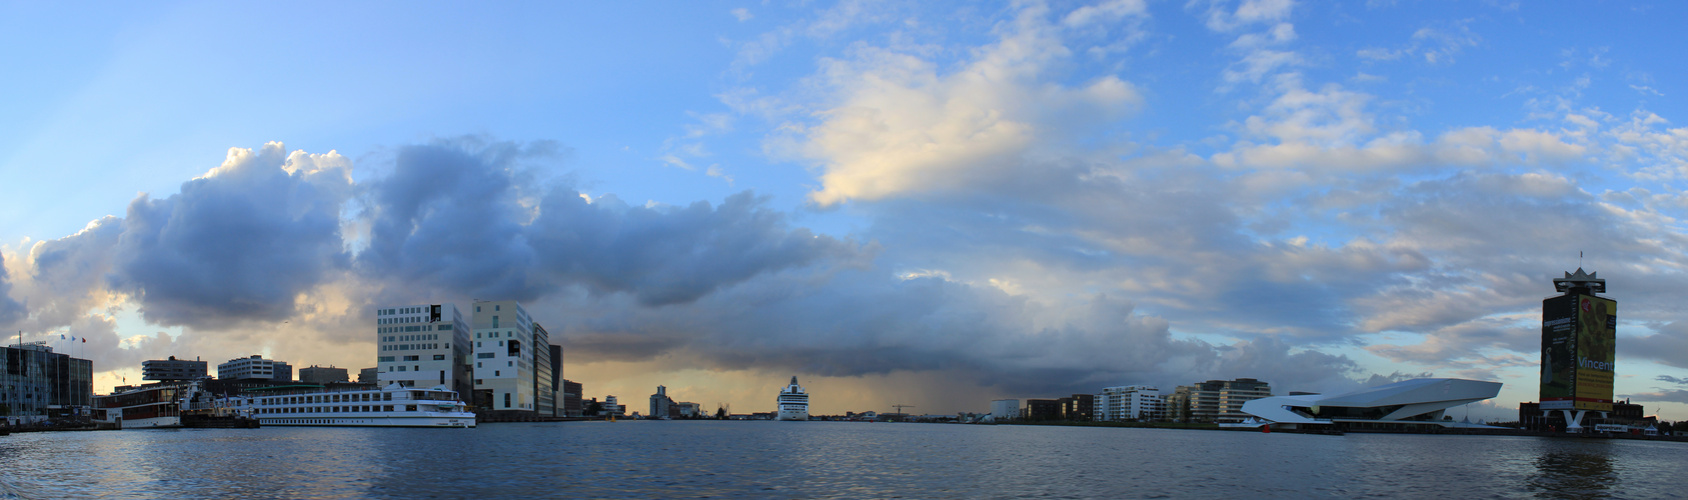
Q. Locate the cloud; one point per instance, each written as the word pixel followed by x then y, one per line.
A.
pixel 1220 17
pixel 10 310
pixel 742 14
pixel 459 215
pixel 241 242
pixel 902 127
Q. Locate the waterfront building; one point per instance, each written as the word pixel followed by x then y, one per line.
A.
pixel 424 345
pixel 171 370
pixel 1215 400
pixel 572 404
pixel 368 376
pixel 1578 350
pixel 512 359
pixel 1078 407
pixel 322 375
pixel 660 402
pixel 612 407
pixel 254 367
pixel 1405 405
pixel 557 402
pixel 1003 410
pixel 37 380
pixel 1042 409
pixel 1130 402
pixel 685 409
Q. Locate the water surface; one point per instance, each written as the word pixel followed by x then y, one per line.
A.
pixel 713 459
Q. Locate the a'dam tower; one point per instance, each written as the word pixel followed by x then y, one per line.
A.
pixel 1578 340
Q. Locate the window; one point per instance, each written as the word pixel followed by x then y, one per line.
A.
pixel 477 364
pixel 495 373
pixel 506 400
pixel 483 355
pixel 495 308
pixel 509 363
pixel 412 358
pixel 439 357
pixel 477 308
pixel 401 368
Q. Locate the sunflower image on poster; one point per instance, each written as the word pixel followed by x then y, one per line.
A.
pixel 1597 321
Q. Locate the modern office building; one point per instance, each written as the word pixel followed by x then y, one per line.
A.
pixel 368 376
pixel 512 359
pixel 1215 400
pixel 557 382
pixel 254 367
pixel 544 378
pixel 611 407
pixel 660 403
pixel 1042 409
pixel 1405 405
pixel 1578 350
pixel 424 345
pixel 171 370
pixel 322 375
pixel 1130 402
pixel 573 406
pixel 36 381
pixel 1078 407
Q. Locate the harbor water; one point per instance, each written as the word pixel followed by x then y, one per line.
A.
pixel 699 459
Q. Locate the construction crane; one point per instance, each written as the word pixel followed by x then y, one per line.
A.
pixel 900 410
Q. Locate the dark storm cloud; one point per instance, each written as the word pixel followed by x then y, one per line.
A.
pixel 238 244
pixel 10 310
pixel 1666 346
pixel 453 215
pixel 866 322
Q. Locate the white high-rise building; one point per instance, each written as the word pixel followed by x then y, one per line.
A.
pixel 508 354
pixel 1005 409
pixel 424 346
pixel 1130 402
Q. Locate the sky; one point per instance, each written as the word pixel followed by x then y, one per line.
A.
pixel 925 203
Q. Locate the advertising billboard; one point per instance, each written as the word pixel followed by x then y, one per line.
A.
pixel 1558 348
pixel 1597 335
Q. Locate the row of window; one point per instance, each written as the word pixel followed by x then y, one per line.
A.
pixel 408 338
pixel 410 347
pixel 493 335
pixel 336 409
pixel 402 310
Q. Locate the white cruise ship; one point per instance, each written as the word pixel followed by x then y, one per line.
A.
pixel 391 406
pixel 793 402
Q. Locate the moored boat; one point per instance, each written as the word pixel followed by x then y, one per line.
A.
pixel 390 406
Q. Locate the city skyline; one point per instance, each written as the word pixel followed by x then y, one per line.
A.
pixel 899 202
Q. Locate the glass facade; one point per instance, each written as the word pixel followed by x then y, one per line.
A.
pixel 35 378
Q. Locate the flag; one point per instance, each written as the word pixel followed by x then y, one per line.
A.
pixel 61 336
pixel 84 340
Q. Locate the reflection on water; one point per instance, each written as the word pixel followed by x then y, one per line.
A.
pixel 816 460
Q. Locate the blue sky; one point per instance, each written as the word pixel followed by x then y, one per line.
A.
pixel 921 201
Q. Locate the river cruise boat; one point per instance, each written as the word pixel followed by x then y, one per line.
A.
pixel 390 406
pixel 793 402
pixel 151 407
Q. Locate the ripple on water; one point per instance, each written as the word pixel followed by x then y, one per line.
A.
pixel 816 460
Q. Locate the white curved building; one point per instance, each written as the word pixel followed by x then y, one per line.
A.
pixel 1411 402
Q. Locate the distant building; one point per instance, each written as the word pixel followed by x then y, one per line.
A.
pixel 512 359
pixel 611 407
pixel 1005 409
pixel 1578 359
pixel 170 370
pixel 1078 407
pixel 685 409
pixel 660 402
pixel 1130 402
pixel 1042 409
pixel 367 376
pixel 36 380
pixel 1404 405
pixel 254 367
pixel 572 404
pixel 322 375
pixel 424 345
pixel 557 390
pixel 1215 400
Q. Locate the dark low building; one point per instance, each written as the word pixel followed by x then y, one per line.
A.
pixel 1078 407
pixel 572 404
pixel 322 375
pixel 1043 409
pixel 170 370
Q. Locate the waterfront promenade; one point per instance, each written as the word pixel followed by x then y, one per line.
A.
pixel 693 459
